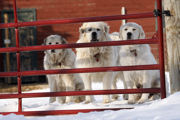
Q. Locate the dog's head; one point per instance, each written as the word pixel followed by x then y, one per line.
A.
pixel 94 31
pixel 131 31
pixel 54 40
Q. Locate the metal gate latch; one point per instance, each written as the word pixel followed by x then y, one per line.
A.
pixel 157 12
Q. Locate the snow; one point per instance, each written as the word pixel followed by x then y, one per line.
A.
pixel 166 109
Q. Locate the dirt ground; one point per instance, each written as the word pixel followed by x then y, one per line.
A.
pixel 25 87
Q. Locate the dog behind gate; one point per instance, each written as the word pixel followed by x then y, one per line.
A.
pixel 61 59
pixel 137 55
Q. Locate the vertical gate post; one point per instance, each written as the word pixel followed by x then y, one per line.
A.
pixel 17 56
pixel 161 50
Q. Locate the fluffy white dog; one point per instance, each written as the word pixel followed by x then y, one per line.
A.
pixel 137 55
pixel 61 59
pixel 95 56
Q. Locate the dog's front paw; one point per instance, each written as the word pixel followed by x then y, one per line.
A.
pixel 52 99
pixel 106 101
pixel 61 100
pixel 115 97
pixel 131 101
pixel 125 97
pixel 140 101
pixel 87 101
pixel 69 99
pixel 79 99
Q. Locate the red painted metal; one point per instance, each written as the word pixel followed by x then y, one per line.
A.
pixel 60 112
pixel 76 93
pixel 78 20
pixel 79 45
pixel 17 56
pixel 161 50
pixel 20 73
pixel 81 70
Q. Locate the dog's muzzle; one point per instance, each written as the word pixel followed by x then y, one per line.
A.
pixel 94 37
pixel 129 35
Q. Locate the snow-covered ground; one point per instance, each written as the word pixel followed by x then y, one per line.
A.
pixel 166 109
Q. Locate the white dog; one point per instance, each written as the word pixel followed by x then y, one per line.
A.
pixel 95 56
pixel 61 59
pixel 137 55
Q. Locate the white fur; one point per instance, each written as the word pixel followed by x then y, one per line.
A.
pixel 61 59
pixel 87 57
pixel 118 75
pixel 137 55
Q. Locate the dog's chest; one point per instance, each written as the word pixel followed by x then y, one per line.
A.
pixel 100 60
pixel 94 58
pixel 136 76
pixel 129 57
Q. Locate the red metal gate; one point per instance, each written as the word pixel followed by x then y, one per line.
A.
pixel 157 40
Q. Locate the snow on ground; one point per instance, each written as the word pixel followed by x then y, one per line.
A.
pixel 166 109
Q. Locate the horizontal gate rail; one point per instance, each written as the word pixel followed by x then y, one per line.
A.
pixel 81 70
pixel 79 45
pixel 78 20
pixel 60 112
pixel 76 93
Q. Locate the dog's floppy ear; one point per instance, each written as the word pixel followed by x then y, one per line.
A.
pixel 106 28
pixel 44 43
pixel 120 32
pixel 63 40
pixel 45 51
pixel 81 30
pixel 141 34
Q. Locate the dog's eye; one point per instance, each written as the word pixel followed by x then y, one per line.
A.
pixel 57 43
pixel 82 31
pixel 134 29
pixel 98 29
pixel 50 43
pixel 125 29
pixel 89 29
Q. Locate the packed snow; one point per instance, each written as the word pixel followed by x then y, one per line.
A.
pixel 166 109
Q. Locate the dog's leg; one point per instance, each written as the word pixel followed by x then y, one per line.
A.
pixel 60 87
pixel 130 85
pixel 155 84
pixel 146 84
pixel 125 96
pixel 70 85
pixel 107 81
pixel 114 86
pixel 79 86
pixel 87 86
pixel 121 76
pixel 52 86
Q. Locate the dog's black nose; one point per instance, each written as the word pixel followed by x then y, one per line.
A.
pixel 53 51
pixel 94 37
pixel 129 34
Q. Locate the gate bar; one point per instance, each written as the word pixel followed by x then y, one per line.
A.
pixel 78 20
pixel 17 56
pixel 77 93
pixel 79 45
pixel 81 70
pixel 60 112
pixel 161 50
